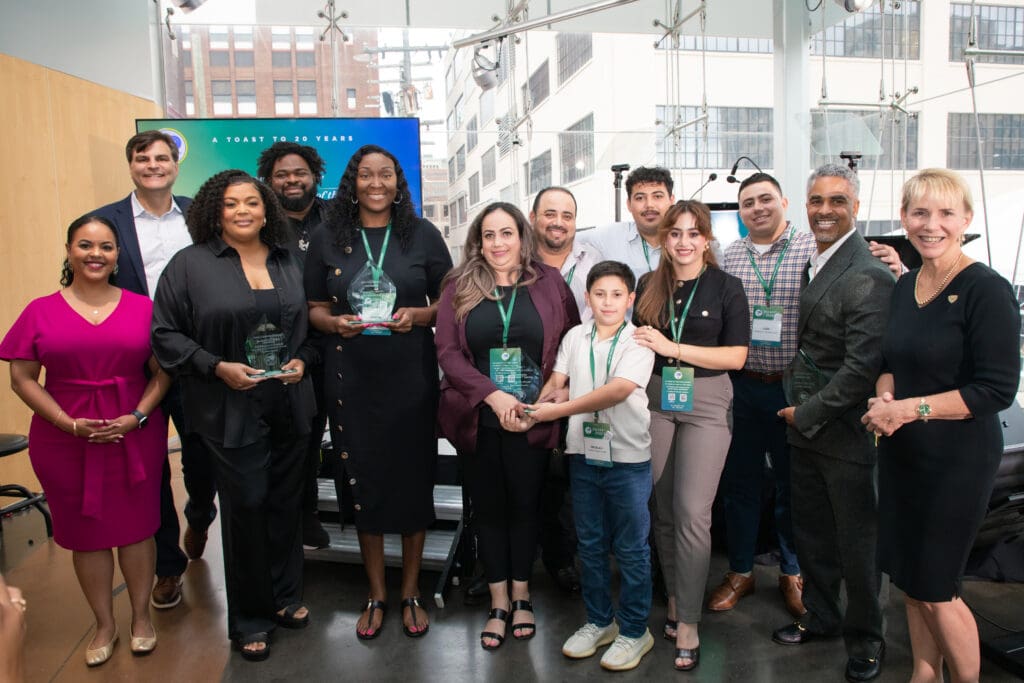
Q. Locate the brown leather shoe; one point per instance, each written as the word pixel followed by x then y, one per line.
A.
pixel 195 543
pixel 792 589
pixel 166 592
pixel 733 587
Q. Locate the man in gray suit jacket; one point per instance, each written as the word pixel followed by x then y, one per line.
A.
pixel 844 306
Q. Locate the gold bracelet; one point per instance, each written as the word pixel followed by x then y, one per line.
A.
pixel 679 351
pixel 74 427
pixel 57 419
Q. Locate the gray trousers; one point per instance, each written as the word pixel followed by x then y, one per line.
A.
pixel 688 452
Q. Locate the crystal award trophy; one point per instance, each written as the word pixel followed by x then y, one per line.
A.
pixel 372 295
pixel 802 379
pixel 266 349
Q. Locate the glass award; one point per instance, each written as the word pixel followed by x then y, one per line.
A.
pixel 515 373
pixel 372 295
pixel 266 348
pixel 802 379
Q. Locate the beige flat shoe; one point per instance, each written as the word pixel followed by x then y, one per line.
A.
pixel 142 645
pixel 99 655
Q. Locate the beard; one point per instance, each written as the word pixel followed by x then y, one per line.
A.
pixel 298 203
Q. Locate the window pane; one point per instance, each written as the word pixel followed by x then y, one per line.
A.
pixel 999 28
pixel 281 59
pixel 243 58
pixel 576 150
pixel 538 173
pixel 471 135
pixel 488 167
pixel 731 132
pixel 1002 135
pixel 875 32
pixel 574 50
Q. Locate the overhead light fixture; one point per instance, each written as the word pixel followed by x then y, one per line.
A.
pixel 854 6
pixel 188 5
pixel 485 69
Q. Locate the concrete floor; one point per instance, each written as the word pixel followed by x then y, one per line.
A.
pixel 736 646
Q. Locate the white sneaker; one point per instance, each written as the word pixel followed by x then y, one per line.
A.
pixel 626 653
pixel 588 638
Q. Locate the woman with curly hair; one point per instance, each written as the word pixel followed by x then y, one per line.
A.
pixel 381 378
pixel 99 467
pixel 501 299
pixel 238 277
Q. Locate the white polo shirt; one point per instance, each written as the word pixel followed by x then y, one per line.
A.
pixel 630 420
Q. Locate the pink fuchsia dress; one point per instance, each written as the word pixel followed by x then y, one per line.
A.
pixel 101 495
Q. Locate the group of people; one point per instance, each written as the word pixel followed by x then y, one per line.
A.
pixel 663 369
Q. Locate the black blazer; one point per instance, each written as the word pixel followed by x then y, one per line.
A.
pixel 131 274
pixel 844 311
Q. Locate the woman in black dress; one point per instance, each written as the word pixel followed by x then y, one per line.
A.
pixel 951 364
pixel 381 389
pixel 236 279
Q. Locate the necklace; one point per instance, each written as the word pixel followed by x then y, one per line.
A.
pixel 942 283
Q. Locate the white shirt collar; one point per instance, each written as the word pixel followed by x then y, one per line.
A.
pixel 818 261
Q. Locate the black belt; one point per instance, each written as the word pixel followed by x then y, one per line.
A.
pixel 763 377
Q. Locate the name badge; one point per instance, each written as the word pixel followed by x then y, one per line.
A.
pixel 597 443
pixel 766 326
pixel 677 389
pixel 506 366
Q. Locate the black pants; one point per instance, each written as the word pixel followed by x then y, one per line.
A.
pixel 835 525
pixel 557 528
pixel 310 485
pixel 197 471
pixel 505 477
pixel 260 489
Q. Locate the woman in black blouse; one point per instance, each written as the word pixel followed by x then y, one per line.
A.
pixel 238 276
pixel 694 316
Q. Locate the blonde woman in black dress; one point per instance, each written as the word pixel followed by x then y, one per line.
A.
pixel 951 364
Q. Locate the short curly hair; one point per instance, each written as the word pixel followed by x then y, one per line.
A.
pixel 208 205
pixel 269 157
pixel 653 175
pixel 344 212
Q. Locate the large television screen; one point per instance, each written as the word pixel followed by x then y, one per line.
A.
pixel 207 146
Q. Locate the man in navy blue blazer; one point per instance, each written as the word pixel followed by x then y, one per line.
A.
pixel 150 224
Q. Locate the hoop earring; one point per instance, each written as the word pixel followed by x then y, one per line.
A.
pixel 354 200
pixel 115 269
pixel 398 200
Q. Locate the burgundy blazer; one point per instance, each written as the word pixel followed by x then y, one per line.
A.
pixel 464 388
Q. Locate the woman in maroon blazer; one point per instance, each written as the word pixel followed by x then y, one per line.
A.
pixel 501 316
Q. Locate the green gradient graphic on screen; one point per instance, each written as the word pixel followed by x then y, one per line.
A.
pixel 207 146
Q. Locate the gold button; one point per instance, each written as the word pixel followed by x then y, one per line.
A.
pixel 338 347
pixel 334 299
pixel 344 455
pixel 337 271
pixel 340 403
pixel 352 481
pixel 358 507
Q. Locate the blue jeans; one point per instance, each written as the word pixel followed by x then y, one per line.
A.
pixel 610 507
pixel 756 429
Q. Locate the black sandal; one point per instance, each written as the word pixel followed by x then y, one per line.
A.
pixel 495 613
pixel 286 617
pixel 252 639
pixel 526 606
pixel 670 625
pixel 412 604
pixel 683 653
pixel 371 607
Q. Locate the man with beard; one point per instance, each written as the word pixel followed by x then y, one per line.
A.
pixel 294 173
pixel 635 242
pixel 554 226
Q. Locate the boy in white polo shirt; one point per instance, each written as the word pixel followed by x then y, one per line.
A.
pixel 609 449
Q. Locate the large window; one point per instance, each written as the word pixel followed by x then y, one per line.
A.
pixel 472 136
pixel 474 189
pixel 576 150
pixel 219 58
pixel 281 59
pixel 307 97
pixel 460 161
pixel 1002 136
pixel 838 130
pixel 999 28
pixel 488 167
pixel 537 89
pixel 724 44
pixel 574 50
pixel 245 91
pixel 222 105
pixel 538 172
pixel 875 32
pixel 284 98
pixel 732 132
pixel 244 58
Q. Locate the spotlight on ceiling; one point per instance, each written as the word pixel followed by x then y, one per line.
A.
pixel 855 5
pixel 188 5
pixel 484 69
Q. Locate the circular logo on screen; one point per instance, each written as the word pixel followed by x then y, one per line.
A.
pixel 179 140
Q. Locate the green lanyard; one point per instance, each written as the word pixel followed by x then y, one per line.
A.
pixel 506 316
pixel 676 324
pixel 568 278
pixel 770 284
pixel 647 253
pixel 608 364
pixel 376 268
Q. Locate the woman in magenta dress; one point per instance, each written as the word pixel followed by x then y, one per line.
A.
pixel 91 442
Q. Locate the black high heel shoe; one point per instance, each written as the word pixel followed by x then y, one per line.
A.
pixel 684 653
pixel 531 629
pixel 495 613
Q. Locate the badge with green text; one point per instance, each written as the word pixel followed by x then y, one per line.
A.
pixel 597 443
pixel 766 326
pixel 676 389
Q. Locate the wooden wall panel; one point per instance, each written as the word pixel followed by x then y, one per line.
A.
pixel 64 144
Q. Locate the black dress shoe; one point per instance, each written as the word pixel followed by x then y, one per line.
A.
pixel 567 578
pixel 792 634
pixel 865 668
pixel 476 591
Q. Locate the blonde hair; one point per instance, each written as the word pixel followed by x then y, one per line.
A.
pixel 936 181
pixel 474 278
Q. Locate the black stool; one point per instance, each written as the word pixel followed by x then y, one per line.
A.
pixel 9 445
